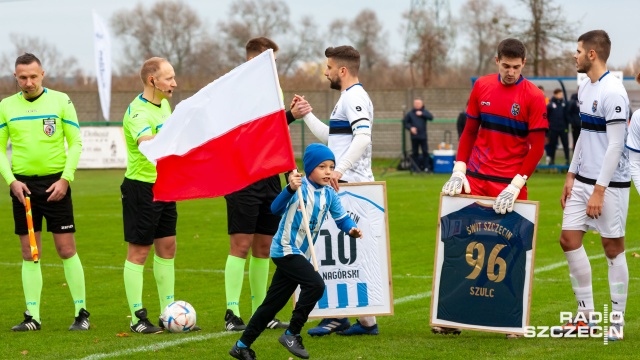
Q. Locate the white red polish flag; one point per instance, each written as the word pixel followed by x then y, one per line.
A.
pixel 230 134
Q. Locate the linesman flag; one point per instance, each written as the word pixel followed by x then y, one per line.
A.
pixel 230 134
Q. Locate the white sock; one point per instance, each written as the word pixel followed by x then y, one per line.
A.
pixel 580 274
pixel 367 321
pixel 618 282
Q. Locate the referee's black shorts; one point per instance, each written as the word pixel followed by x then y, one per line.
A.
pixel 144 219
pixel 249 209
pixel 59 214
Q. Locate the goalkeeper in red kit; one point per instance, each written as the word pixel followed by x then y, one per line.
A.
pixel 503 139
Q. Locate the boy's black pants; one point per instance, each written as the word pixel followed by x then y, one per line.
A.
pixel 291 271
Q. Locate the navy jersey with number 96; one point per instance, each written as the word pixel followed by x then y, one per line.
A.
pixel 483 273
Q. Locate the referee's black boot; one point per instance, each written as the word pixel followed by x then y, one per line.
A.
pixel 81 322
pixel 29 324
pixel 233 322
pixel 144 326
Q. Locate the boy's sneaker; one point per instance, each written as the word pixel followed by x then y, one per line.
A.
pixel 277 324
pixel 29 324
pixel 293 343
pixel 359 329
pixel 327 326
pixel 616 332
pixel 242 353
pixel 441 330
pixel 144 326
pixel 82 321
pixel 576 327
pixel 193 329
pixel 233 322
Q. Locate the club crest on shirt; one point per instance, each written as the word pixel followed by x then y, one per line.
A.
pixel 515 109
pixel 594 107
pixel 49 126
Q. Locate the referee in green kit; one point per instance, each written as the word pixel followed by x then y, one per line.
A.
pixel 38 120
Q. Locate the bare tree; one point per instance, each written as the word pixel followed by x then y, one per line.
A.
pixel 305 45
pixel 428 42
pixel 169 29
pixel 249 19
pixel 365 33
pixel 487 24
pixel 633 66
pixel 545 33
pixel 56 65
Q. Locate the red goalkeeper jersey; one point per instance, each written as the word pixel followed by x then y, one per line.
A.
pixel 507 113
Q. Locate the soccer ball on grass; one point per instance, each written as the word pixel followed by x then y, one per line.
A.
pixel 179 316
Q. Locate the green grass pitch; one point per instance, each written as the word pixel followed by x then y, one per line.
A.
pixel 202 250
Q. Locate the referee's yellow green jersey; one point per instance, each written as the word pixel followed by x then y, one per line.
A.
pixel 38 131
pixel 142 118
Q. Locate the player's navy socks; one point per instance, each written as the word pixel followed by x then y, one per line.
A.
pixel 240 344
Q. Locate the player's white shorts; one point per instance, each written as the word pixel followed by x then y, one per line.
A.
pixel 614 211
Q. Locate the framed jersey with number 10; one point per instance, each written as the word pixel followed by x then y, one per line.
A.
pixel 483 270
pixel 356 272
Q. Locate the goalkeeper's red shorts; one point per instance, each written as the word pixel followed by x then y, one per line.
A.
pixel 481 187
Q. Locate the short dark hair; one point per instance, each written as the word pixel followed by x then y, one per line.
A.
pixel 26 59
pixel 346 56
pixel 512 49
pixel 557 91
pixel 258 45
pixel 597 40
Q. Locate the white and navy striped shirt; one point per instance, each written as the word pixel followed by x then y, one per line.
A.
pixel 602 103
pixel 319 201
pixel 633 139
pixel 353 106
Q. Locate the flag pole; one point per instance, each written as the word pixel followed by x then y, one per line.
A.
pixel 305 223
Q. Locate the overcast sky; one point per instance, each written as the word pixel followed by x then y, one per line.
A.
pixel 68 23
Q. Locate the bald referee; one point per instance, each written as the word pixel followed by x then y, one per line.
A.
pixel 38 121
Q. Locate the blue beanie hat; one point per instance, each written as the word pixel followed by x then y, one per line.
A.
pixel 314 155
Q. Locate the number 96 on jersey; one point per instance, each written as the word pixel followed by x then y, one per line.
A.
pixel 483 267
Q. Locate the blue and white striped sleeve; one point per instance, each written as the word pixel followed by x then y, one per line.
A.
pixel 279 204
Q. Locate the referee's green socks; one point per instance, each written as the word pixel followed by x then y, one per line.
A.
pixel 74 274
pixel 233 277
pixel 32 286
pixel 258 279
pixel 133 280
pixel 164 272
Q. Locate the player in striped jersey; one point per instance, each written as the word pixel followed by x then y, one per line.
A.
pixel 349 137
pixel 633 145
pixel 290 251
pixel 599 199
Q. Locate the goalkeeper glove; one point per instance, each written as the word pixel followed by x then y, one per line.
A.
pixel 457 181
pixel 506 199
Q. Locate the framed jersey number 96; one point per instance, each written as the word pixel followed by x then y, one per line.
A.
pixel 483 270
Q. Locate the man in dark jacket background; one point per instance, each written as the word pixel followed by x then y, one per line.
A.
pixel 558 126
pixel 574 118
pixel 416 122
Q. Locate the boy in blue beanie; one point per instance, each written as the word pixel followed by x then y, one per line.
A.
pixel 290 251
